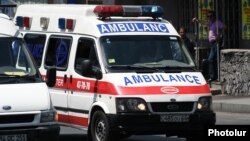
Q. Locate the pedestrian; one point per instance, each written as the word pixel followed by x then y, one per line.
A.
pixel 186 41
pixel 215 38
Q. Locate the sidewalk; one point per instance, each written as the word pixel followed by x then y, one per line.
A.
pixel 225 103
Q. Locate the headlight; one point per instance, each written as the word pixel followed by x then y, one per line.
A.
pixel 204 103
pixel 131 105
pixel 48 116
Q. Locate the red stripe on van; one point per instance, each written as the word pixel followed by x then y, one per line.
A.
pixel 63 118
pixel 204 89
pixel 88 85
pixel 109 88
pixel 78 120
pixel 73 120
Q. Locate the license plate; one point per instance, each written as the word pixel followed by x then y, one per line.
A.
pixel 174 118
pixel 16 137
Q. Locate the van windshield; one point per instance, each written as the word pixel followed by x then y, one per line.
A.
pixel 145 52
pixel 15 60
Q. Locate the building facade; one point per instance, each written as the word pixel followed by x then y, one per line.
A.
pixel 235 14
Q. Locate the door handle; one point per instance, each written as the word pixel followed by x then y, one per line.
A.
pixel 65 78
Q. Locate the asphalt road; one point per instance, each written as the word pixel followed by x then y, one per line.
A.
pixel 70 134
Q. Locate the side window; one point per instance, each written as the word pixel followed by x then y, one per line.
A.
pixel 86 50
pixel 58 52
pixel 176 51
pixel 6 57
pixel 35 43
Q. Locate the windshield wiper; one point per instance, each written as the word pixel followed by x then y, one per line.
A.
pixel 137 68
pixel 25 77
pixel 143 69
pixel 179 68
pixel 29 77
pixel 3 75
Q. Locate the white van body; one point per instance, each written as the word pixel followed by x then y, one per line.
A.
pixel 26 111
pixel 105 82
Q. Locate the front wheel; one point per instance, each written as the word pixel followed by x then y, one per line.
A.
pixel 100 130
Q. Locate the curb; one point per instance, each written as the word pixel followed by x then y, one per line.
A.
pixel 229 107
pixel 224 103
pixel 231 104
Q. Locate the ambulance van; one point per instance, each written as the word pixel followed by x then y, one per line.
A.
pixel 121 70
pixel 26 111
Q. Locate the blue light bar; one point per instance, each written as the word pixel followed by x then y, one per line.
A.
pixel 19 21
pixel 62 23
pixel 152 11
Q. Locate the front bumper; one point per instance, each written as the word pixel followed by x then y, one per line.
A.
pixel 47 132
pixel 151 124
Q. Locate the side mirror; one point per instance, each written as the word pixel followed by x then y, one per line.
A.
pixel 98 74
pixel 51 76
pixel 87 69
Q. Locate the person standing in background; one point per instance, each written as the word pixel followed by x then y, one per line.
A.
pixel 215 38
pixel 185 40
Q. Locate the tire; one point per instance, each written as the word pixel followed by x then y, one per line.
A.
pixel 100 130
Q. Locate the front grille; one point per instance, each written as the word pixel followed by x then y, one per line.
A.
pixel 6 119
pixel 172 106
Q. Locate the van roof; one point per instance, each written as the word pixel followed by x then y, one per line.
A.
pixel 7 27
pixel 84 20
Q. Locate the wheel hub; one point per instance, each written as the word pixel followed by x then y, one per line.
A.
pixel 100 131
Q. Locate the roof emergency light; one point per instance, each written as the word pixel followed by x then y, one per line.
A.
pixel 26 22
pixel 70 24
pixel 44 22
pixel 23 21
pixel 104 11
pixel 19 21
pixel 66 23
pixel 61 23
pixel 107 11
pixel 153 11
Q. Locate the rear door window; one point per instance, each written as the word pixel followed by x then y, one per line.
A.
pixel 36 43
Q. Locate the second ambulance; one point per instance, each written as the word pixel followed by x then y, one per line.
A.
pixel 26 110
pixel 121 70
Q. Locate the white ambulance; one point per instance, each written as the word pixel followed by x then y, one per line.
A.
pixel 121 70
pixel 26 110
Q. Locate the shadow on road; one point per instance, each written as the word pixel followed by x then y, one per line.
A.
pixel 79 137
pixel 73 137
